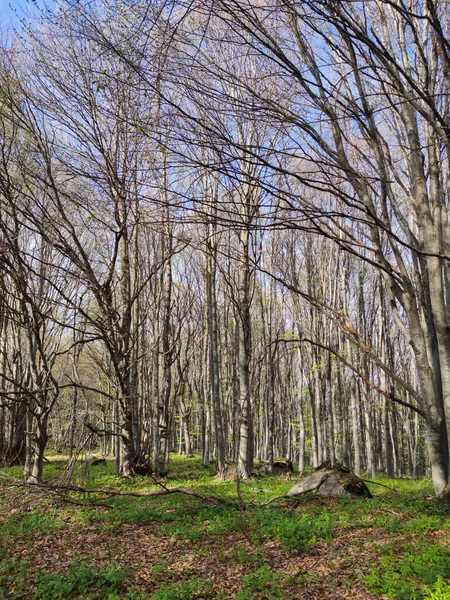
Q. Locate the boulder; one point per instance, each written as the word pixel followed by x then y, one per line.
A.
pixel 327 465
pixel 280 466
pixel 283 465
pixel 94 460
pixel 331 483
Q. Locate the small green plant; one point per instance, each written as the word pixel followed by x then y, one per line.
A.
pixel 306 530
pixel 440 590
pixel 295 532
pixel 182 591
pixel 243 556
pixel 131 595
pixel 184 531
pixel 263 584
pixel 34 522
pixel 307 577
pixel 219 520
pixel 158 570
pixel 410 572
pixel 85 580
pixel 423 524
pixel 13 576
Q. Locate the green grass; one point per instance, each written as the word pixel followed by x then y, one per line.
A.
pixel 394 530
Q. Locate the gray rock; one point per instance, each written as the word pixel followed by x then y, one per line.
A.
pixel 331 483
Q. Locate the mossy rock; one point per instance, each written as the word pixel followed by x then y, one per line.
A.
pixel 280 465
pixel 331 483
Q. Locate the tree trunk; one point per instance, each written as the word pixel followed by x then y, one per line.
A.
pixel 38 443
pixel 214 371
pixel 245 462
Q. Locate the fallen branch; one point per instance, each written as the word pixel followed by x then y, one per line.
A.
pixel 382 485
pixel 277 498
pixel 318 486
pixel 285 497
pixel 108 493
pixel 8 476
pixel 392 512
pixel 69 500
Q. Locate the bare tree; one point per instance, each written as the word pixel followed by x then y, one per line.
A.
pixel 374 147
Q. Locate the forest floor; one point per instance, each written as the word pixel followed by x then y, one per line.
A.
pixel 178 547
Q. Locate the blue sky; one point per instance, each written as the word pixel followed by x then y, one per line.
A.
pixel 11 11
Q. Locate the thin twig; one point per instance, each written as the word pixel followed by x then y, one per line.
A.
pixel 277 498
pixel 393 513
pixel 382 485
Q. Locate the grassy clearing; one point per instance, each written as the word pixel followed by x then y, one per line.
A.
pixel 180 547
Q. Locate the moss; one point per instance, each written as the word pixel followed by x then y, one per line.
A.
pixel 353 484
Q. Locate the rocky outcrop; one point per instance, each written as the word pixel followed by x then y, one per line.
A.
pixel 336 482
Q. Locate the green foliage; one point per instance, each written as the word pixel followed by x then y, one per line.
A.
pixel 263 584
pixel 295 532
pixel 159 570
pixel 298 533
pixel 194 588
pixel 13 576
pixel 307 577
pixel 219 520
pixel 411 572
pixel 141 515
pixel 242 556
pixel 423 524
pixel 440 590
pixel 131 595
pixel 85 580
pixel 33 522
pixel 183 531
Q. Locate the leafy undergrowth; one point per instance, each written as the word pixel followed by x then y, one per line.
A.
pixel 181 547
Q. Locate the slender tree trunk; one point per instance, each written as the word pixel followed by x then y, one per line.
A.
pixel 214 371
pixel 330 416
pixel 301 421
pixel 387 440
pixel 367 409
pixel 245 462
